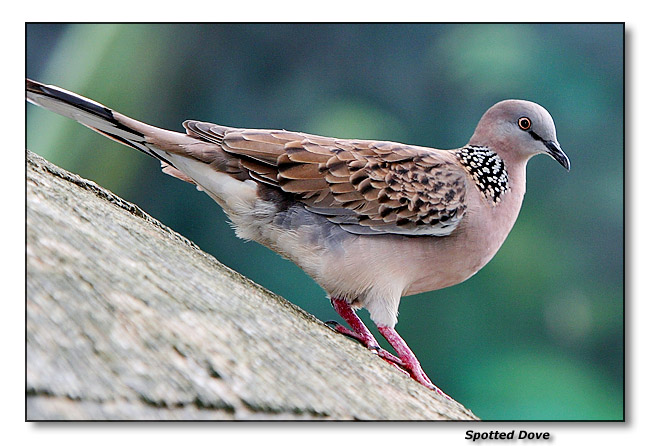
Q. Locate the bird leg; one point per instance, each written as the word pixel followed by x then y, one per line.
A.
pixel 359 331
pixel 409 360
pixel 406 361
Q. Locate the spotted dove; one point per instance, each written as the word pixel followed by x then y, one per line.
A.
pixel 369 221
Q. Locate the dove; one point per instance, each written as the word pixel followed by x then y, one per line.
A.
pixel 370 221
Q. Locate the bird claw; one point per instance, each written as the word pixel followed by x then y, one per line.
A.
pixel 438 391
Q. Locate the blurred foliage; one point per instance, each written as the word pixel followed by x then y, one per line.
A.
pixel 538 333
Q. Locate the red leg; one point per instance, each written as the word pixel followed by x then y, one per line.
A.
pixel 360 330
pixel 410 361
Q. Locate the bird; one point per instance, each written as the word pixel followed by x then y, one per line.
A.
pixel 370 221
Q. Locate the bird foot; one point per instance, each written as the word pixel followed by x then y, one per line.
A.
pixel 371 344
pixel 406 361
pixel 420 376
pixel 410 361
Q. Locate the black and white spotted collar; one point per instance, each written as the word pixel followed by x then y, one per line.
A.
pixel 487 169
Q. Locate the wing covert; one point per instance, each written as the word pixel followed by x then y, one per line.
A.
pixel 366 187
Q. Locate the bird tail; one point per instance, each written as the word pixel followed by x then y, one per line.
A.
pixel 130 132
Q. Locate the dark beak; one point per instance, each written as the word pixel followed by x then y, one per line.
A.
pixel 555 151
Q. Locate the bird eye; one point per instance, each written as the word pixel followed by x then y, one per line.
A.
pixel 524 123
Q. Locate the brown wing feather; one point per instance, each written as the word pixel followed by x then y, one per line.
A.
pixel 367 187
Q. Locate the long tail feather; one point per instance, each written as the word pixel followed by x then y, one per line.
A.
pixel 91 114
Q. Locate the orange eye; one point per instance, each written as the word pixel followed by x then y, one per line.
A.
pixel 524 123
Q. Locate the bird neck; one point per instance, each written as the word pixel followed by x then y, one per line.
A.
pixel 487 169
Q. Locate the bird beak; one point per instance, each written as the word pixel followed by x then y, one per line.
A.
pixel 554 150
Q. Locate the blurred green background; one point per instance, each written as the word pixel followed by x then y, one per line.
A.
pixel 538 333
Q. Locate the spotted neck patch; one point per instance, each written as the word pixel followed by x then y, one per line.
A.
pixel 487 169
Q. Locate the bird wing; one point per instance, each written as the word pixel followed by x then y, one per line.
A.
pixel 366 187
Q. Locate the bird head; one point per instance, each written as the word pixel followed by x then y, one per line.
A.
pixel 518 130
